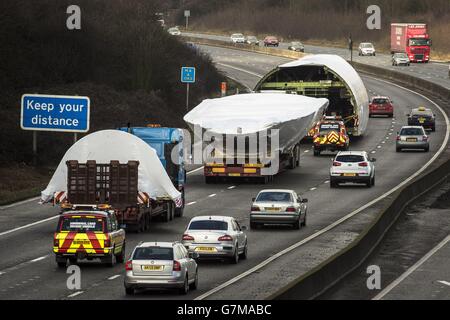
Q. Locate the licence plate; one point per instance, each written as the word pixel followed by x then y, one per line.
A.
pixel 234 174
pixel 82 242
pixel 205 249
pixel 411 140
pixel 153 268
pixel 422 120
pixel 273 209
pixel 349 174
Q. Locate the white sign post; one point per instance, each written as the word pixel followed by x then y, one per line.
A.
pixel 187 14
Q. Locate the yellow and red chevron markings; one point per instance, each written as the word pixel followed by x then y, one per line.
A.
pixel 75 242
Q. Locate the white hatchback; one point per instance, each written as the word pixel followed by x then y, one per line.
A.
pixel 352 167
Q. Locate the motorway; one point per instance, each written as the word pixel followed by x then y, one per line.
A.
pixel 435 72
pixel 28 269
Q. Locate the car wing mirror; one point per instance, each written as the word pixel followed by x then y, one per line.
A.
pixel 243 228
pixel 304 201
pixel 373 160
pixel 193 255
pixel 253 199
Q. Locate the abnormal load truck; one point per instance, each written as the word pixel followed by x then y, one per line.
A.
pixel 412 39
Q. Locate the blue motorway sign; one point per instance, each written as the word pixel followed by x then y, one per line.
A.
pixel 55 113
pixel 188 75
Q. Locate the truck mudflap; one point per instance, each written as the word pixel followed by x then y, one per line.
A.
pixel 89 243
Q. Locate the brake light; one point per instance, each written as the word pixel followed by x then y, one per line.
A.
pixel 398 138
pixel 187 237
pixel 363 164
pixel 176 266
pixel 291 209
pixel 55 241
pixel 129 265
pixel 225 238
pixel 337 164
pixel 107 242
pixel 255 209
pixel 425 138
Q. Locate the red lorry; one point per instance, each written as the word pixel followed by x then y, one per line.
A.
pixel 412 39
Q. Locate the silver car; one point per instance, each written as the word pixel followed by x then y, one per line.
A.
pixel 400 59
pixel 412 138
pixel 161 265
pixel 237 38
pixel 216 237
pixel 366 49
pixel 352 167
pixel 252 40
pixel 278 207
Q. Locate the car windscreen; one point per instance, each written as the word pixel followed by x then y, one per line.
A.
pixel 401 55
pixel 208 225
pixel 153 253
pixel 298 44
pixel 325 128
pixel 81 224
pixel 380 101
pixel 367 45
pixel 412 132
pixel 274 197
pixel 350 159
pixel 419 114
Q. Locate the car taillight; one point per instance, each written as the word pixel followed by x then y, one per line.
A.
pixel 290 209
pixel 255 209
pixel 225 238
pixel 129 265
pixel 425 138
pixel 363 164
pixel 337 164
pixel 187 237
pixel 399 138
pixel 55 241
pixel 107 242
pixel 176 266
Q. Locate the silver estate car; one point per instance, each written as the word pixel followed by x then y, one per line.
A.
pixel 161 265
pixel 216 237
pixel 278 207
pixel 412 138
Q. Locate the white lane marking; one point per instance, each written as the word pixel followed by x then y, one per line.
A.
pixel 212 195
pixel 191 203
pixel 231 188
pixel 196 170
pixel 75 294
pixel 12 205
pixel 51 218
pixel 445 282
pixel 39 259
pixel 306 151
pixel 378 147
pixel 327 182
pixel 114 277
pixel 28 225
pixel 408 272
pixel 1 273
pixel 313 189
pixel 240 69
pixel 350 215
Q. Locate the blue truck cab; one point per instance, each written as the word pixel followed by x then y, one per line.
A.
pixel 164 140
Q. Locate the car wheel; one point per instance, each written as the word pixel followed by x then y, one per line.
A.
pixel 296 225
pixel 373 181
pixel 253 225
pixel 185 289
pixel 433 129
pixel 399 150
pixel 333 184
pixel 316 153
pixel 235 258
pixel 369 183
pixel 427 149
pixel 194 285
pixel 109 260
pixel 61 264
pixel 129 291
pixel 304 221
pixel 73 260
pixel 245 252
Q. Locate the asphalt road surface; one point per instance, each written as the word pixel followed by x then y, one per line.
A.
pixel 28 269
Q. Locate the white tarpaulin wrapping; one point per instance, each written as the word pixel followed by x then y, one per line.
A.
pixel 108 145
pixel 254 112
pixel 347 73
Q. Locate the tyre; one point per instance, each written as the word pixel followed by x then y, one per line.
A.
pixel 210 180
pixel 179 212
pixel 296 225
pixel 129 291
pixel 433 129
pixel 316 153
pixel 427 149
pixel 253 225
pixel 304 221
pixel 373 181
pixel 235 258
pixel 245 252
pixel 61 264
pixel 194 285
pixel 333 184
pixel 166 215
pixel 109 260
pixel 399 149
pixel 369 183
pixel 73 260
pixel 185 288
pixel 120 258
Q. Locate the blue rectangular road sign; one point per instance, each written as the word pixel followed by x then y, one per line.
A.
pixel 55 113
pixel 188 75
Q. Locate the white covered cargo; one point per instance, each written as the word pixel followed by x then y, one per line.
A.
pixel 252 113
pixel 328 76
pixel 105 146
